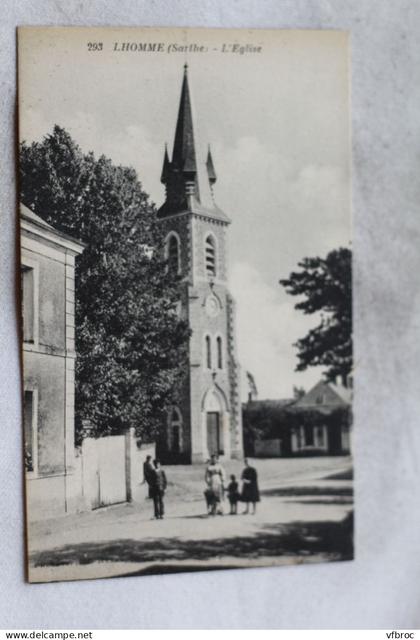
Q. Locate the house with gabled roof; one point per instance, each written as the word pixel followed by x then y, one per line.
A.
pixel 318 423
pixel 325 418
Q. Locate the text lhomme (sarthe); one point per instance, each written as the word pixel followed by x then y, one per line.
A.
pixel 176 47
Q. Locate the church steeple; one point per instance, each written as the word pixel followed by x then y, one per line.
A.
pixel 188 177
pixel 207 418
pixel 183 156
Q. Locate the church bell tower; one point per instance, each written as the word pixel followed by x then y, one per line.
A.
pixel 208 419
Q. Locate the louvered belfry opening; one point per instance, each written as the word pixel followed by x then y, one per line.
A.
pixel 210 256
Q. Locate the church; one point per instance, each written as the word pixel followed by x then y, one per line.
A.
pixel 208 418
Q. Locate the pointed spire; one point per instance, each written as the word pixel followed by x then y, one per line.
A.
pixel 210 168
pixel 188 176
pixel 166 166
pixel 183 157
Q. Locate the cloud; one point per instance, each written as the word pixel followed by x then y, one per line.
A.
pixel 33 125
pixel 267 326
pixel 130 145
pixel 282 208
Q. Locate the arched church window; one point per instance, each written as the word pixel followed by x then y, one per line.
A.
pixel 208 352
pixel 173 253
pixel 175 431
pixel 210 255
pixel 219 343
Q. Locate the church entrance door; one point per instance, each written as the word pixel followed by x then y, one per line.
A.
pixel 213 432
pixel 176 448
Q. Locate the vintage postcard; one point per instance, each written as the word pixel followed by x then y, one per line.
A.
pixel 186 299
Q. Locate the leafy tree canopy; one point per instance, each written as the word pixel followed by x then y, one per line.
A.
pixel 324 285
pixel 130 341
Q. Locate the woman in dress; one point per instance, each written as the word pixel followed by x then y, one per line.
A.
pixel 250 491
pixel 215 479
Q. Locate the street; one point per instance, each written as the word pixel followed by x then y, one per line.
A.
pixel 301 518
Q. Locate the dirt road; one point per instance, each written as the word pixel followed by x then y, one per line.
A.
pixel 303 502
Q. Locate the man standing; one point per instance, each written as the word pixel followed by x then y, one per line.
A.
pixel 158 486
pixel 148 471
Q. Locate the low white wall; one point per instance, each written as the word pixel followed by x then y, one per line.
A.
pixel 139 491
pixel 52 496
pixel 128 473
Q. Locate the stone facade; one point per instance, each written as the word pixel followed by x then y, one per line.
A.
pixel 208 419
pixel 47 271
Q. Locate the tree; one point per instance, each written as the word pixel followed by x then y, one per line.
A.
pixel 325 285
pixel 130 342
pixel 298 392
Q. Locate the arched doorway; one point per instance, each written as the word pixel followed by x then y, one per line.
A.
pixel 216 423
pixel 175 432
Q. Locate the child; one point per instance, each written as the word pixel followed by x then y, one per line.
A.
pixel 233 495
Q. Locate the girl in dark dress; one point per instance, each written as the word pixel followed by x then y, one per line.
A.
pixel 233 495
pixel 250 492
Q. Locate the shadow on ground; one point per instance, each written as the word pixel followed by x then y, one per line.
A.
pixel 334 540
pixel 344 500
pixel 307 491
pixel 342 475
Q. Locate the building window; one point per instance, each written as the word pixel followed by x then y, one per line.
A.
pixel 173 253
pixel 208 352
pixel 210 255
pixel 309 435
pixel 28 303
pixel 219 343
pixel 28 425
pixel 320 436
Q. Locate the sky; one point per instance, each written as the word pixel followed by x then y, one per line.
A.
pixel 278 123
